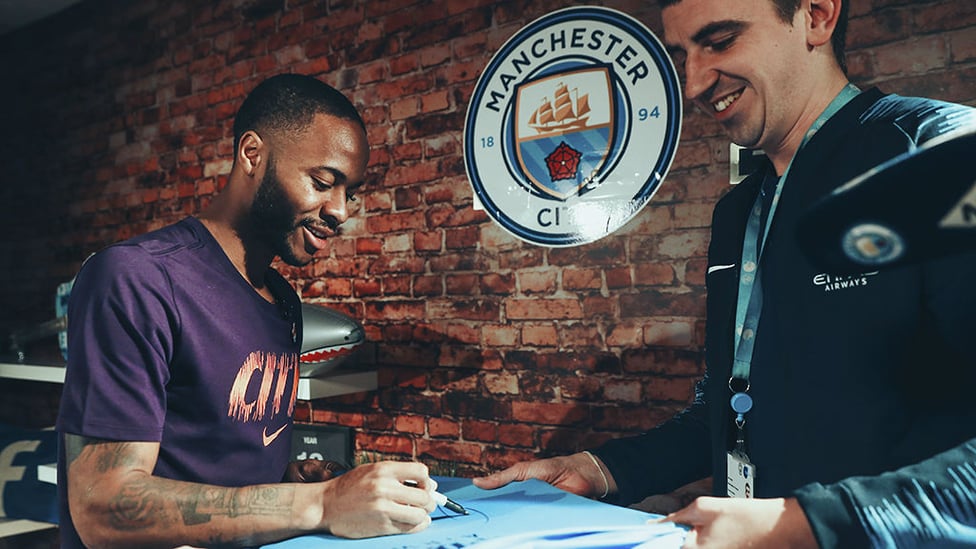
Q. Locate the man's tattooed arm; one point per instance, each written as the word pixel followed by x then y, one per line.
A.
pixel 115 500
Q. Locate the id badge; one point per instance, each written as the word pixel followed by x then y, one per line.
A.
pixel 741 476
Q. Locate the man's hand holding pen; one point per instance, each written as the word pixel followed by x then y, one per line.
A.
pixel 372 500
pixel 377 499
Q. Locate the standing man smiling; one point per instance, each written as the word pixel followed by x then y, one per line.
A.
pixel 847 413
pixel 183 365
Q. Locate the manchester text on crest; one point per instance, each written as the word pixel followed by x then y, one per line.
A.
pixel 612 47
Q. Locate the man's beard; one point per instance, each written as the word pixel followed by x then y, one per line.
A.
pixel 273 219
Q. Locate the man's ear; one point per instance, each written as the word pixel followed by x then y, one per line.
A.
pixel 821 20
pixel 251 152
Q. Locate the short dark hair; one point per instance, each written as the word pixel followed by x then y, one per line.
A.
pixel 787 9
pixel 289 102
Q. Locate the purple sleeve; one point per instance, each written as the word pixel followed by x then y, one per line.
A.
pixel 121 327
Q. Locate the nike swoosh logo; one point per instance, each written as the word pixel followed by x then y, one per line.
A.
pixel 714 268
pixel 268 439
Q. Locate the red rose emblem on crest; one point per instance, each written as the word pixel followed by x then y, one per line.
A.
pixel 563 162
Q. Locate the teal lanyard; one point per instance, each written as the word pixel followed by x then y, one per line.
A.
pixel 749 305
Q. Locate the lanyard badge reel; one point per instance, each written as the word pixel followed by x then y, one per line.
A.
pixel 741 472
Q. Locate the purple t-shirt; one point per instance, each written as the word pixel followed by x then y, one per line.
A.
pixel 168 343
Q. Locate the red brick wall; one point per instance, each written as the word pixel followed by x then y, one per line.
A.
pixel 116 120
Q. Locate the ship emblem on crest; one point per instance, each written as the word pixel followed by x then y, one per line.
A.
pixel 563 130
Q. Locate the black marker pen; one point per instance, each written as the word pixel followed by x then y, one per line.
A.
pixel 442 500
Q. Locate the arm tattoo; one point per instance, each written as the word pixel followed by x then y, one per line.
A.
pixel 138 507
pixel 146 502
pixel 203 502
pixel 141 506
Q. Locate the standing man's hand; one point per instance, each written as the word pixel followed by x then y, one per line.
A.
pixel 755 523
pixel 581 474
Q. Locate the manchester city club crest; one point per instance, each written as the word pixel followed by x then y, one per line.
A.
pixel 572 126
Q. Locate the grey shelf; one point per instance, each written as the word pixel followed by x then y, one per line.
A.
pixel 15 527
pixel 335 383
pixel 32 372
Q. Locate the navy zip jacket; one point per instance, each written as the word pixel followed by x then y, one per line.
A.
pixel 862 385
